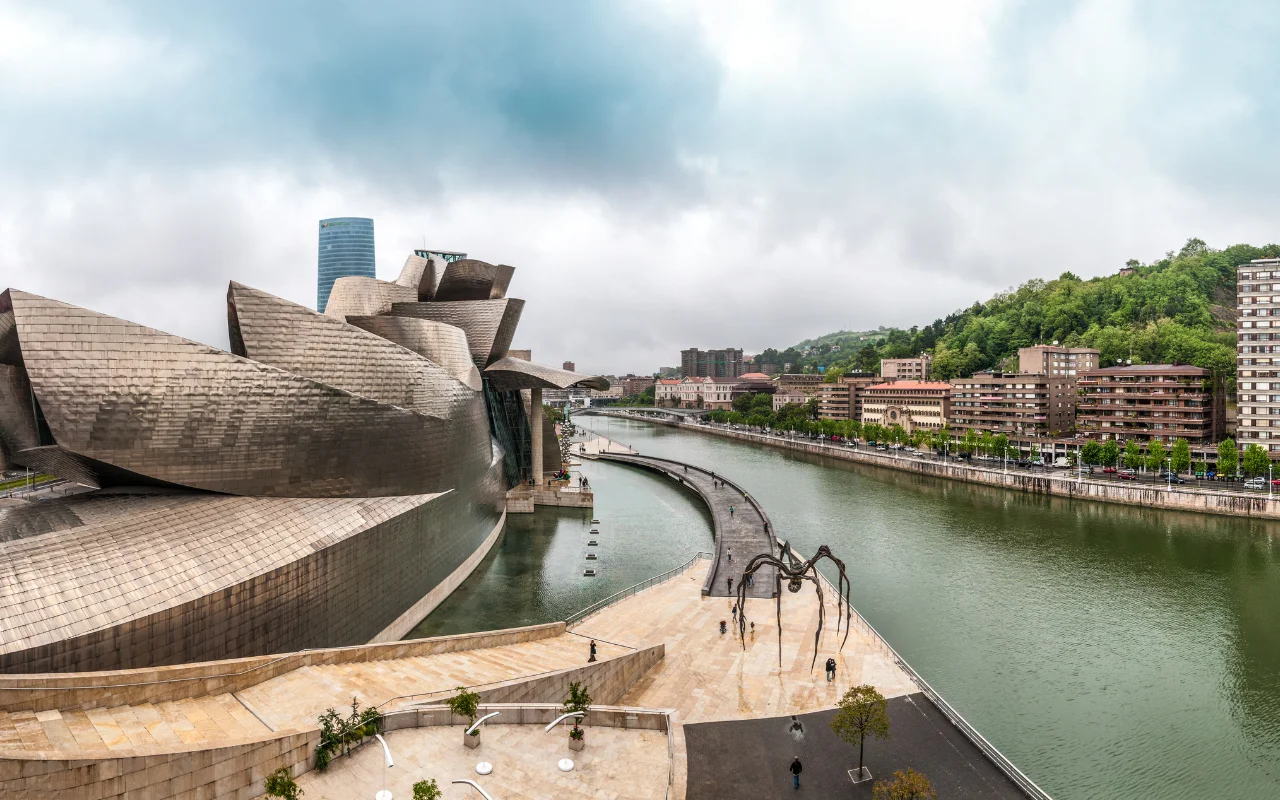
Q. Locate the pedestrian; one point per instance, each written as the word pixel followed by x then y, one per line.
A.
pixel 831 670
pixel 796 767
pixel 730 555
pixel 593 651
pixel 731 511
pixel 723 627
pixel 753 631
pixel 730 580
pixel 735 613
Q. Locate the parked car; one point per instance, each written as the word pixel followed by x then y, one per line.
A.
pixel 1109 470
pixel 1275 482
pixel 1128 475
pixel 1255 483
pixel 1171 478
pixel 881 447
pixel 1061 461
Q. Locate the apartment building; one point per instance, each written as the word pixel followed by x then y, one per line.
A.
pixel 1019 405
pixel 800 382
pixel 911 404
pixel 1258 354
pixel 726 363
pixel 843 399
pixel 1150 402
pixel 635 384
pixel 788 397
pixel 906 369
pixel 1050 359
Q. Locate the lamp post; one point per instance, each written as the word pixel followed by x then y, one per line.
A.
pixel 387 763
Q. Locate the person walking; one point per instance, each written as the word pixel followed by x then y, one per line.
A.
pixel 593 651
pixel 735 613
pixel 796 768
pixel 730 581
pixel 730 511
pixel 730 553
pixel 831 670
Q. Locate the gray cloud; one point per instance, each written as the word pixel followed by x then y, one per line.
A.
pixel 752 175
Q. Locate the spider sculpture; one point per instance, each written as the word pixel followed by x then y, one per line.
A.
pixel 796 572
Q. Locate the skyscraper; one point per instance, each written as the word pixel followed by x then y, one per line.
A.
pixel 346 249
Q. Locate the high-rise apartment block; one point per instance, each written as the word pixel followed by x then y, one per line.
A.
pixel 346 250
pixel 1050 359
pixel 906 369
pixel 1017 405
pixel 1258 354
pixel 726 363
pixel 1150 402
pixel 843 399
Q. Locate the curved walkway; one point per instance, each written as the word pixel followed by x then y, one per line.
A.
pixel 740 534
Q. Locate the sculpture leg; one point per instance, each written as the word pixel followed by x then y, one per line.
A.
pixel 817 635
pixel 778 581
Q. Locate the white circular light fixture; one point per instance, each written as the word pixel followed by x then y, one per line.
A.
pixel 566 765
pixel 484 768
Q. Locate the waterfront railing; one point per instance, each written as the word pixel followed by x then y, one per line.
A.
pixel 600 605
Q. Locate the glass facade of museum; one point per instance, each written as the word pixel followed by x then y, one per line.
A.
pixel 346 249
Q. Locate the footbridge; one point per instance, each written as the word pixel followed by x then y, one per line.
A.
pixel 679 414
pixel 742 528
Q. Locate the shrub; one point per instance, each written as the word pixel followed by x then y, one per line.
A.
pixel 466 704
pixel 426 790
pixel 281 784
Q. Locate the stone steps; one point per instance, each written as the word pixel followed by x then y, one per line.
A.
pixel 208 719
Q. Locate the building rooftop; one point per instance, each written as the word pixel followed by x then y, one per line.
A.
pixel 755 376
pixel 1149 369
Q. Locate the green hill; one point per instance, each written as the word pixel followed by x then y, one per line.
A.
pixel 1180 309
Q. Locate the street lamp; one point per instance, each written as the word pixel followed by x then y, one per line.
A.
pixel 387 763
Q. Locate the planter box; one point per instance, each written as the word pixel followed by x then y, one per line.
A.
pixel 471 741
pixel 577 744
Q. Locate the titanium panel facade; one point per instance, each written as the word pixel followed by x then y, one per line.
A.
pixel 437 342
pixel 187 414
pixel 365 297
pixel 17 414
pixel 471 279
pixel 490 325
pixel 316 346
pixel 421 273
pixel 346 249
pixel 519 373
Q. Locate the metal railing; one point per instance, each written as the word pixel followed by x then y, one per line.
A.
pixel 600 605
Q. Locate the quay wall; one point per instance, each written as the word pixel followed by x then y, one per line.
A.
pixel 1234 504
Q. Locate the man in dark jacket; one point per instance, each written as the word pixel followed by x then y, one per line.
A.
pixel 795 771
pixel 831 670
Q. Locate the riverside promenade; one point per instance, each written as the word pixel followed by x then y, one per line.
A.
pixel 1258 505
pixel 742 528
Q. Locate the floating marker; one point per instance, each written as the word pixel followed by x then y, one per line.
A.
pixel 589 573
pixel 593 543
pixel 591 556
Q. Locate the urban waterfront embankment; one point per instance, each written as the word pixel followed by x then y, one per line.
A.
pixel 1108 650
pixel 1061 483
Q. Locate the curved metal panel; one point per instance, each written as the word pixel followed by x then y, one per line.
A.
pixel 517 373
pixel 420 274
pixel 490 325
pixel 17 416
pixel 436 341
pixel 365 296
pixel 296 339
pixel 184 413
pixel 471 279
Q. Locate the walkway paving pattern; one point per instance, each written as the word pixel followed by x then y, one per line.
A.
pixel 740 533
pixel 616 764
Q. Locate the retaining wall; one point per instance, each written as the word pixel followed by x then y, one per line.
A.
pixel 1235 504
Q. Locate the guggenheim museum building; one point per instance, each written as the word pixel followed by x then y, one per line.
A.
pixel 327 482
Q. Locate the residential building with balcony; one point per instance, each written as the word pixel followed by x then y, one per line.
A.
pixel 1150 402
pixel 1019 405
pixel 843 399
pixel 634 384
pixel 807 382
pixel 906 369
pixel 1050 359
pixel 1258 354
pixel 726 363
pixel 911 404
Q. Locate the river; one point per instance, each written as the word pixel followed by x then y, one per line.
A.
pixel 1109 651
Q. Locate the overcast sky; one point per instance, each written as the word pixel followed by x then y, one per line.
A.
pixel 661 174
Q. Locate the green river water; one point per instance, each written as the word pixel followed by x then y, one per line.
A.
pixel 1108 651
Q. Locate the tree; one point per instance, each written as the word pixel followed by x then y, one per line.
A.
pixel 1256 461
pixel 1132 454
pixel 1181 457
pixel 909 785
pixel 1091 453
pixel 1155 455
pixel 427 790
pixel 1228 457
pixel 281 784
pixel 863 712
pixel 1110 452
pixel 466 704
pixel 577 702
pixel 1201 467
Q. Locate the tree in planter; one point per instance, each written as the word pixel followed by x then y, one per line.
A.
pixel 863 712
pixel 578 702
pixel 281 784
pixel 427 790
pixel 466 704
pixel 909 785
pixel 1255 461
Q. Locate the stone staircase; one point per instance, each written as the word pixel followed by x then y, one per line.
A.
pixel 195 721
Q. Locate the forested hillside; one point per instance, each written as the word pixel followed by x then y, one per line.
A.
pixel 1180 309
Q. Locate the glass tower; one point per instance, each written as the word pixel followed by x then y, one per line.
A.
pixel 346 248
